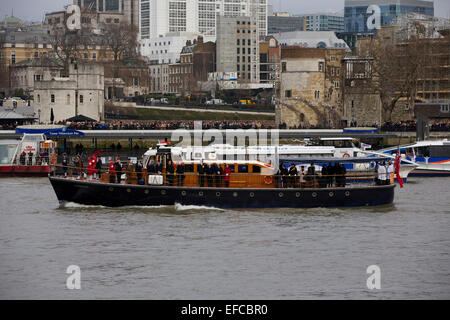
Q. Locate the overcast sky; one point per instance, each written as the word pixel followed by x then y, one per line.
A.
pixel 34 10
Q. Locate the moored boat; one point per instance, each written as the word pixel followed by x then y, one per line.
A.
pixel 432 157
pixel 33 156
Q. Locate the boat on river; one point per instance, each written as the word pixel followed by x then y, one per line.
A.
pixel 33 156
pixel 432 157
pixel 220 183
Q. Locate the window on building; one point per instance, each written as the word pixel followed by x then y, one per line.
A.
pixel 36 54
pixel 238 42
pixel 81 98
pixel 86 55
pixel 39 98
pixel 13 57
pixel 445 108
pixel 317 94
pixel 68 99
pixel 288 93
pixel 94 56
pixel 52 98
pixel 321 65
pixel 283 67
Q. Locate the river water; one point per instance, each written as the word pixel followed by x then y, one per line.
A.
pixel 199 253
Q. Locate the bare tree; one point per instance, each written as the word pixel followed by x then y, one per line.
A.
pixel 67 45
pixel 121 40
pixel 397 68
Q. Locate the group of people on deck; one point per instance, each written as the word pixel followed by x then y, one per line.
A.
pixel 289 176
pixel 384 173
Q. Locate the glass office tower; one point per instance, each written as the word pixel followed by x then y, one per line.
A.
pixel 356 16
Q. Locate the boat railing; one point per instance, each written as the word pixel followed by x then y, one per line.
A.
pixel 235 180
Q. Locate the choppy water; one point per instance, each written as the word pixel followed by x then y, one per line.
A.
pixel 200 253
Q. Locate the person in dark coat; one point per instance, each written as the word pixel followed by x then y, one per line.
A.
pixel 329 175
pixel 118 168
pixel 210 175
pixel 170 173
pixel 324 177
pixel 284 175
pixel 98 168
pixel 292 175
pixel 219 176
pixel 158 167
pixel 311 174
pixel 151 168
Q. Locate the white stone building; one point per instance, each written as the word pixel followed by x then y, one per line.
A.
pixel 82 93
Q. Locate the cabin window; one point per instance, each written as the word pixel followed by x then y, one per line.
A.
pixel 188 168
pixel 232 167
pixel 243 168
pixel 256 169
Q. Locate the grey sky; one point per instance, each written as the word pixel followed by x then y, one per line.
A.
pixel 34 10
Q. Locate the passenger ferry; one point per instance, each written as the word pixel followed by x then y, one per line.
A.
pixel 202 177
pixel 33 156
pixel 432 157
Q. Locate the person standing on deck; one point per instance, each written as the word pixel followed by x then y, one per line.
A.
pixel 324 177
pixel 219 176
pixel 382 174
pixel 65 163
pixel 292 175
pixel 98 168
pixel 170 173
pixel 89 168
pixel 79 166
pixel 118 168
pixel 112 172
pixel 138 169
pixel 390 173
pixel 201 177
pixel 128 171
pixel 227 173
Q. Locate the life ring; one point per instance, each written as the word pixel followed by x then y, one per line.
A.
pixel 268 179
pixel 346 155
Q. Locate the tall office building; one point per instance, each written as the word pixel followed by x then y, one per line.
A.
pixel 356 16
pixel 130 8
pixel 324 22
pixel 159 17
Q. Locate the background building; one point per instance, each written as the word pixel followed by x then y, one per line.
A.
pixel 311 39
pixel 82 93
pixel 284 23
pixel 238 48
pixel 323 22
pixel 356 16
pixel 159 17
pixel 311 87
pixel 129 8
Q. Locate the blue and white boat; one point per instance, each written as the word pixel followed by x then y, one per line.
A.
pixel 431 157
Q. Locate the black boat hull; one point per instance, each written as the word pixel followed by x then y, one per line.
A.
pixel 117 195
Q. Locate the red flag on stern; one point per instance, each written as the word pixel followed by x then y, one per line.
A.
pixel 398 159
